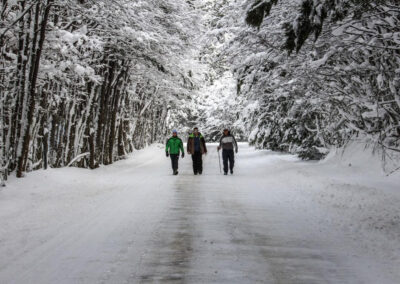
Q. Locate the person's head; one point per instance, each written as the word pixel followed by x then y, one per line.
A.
pixel 195 131
pixel 226 131
pixel 174 133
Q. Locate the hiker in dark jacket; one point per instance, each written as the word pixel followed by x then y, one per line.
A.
pixel 196 146
pixel 228 144
pixel 172 149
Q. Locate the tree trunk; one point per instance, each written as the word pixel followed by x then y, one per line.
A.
pixel 21 163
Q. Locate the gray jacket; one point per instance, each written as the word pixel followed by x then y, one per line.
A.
pixel 228 142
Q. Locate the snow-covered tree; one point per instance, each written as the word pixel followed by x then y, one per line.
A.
pixel 341 82
pixel 86 82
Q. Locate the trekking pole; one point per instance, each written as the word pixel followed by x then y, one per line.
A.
pixel 219 160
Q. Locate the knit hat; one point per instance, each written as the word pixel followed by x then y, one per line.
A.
pixel 174 131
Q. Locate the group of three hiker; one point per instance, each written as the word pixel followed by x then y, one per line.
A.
pixel 196 146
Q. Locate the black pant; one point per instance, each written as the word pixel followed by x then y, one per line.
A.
pixel 197 162
pixel 228 155
pixel 174 161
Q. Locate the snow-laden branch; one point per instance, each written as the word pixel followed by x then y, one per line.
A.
pixel 78 158
pixel 19 18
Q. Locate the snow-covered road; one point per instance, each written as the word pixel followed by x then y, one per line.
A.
pixel 276 220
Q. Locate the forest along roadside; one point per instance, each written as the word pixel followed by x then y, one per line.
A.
pixel 276 220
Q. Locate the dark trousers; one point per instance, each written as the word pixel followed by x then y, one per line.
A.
pixel 197 162
pixel 228 155
pixel 174 161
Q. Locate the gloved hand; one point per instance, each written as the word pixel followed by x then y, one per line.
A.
pixel 183 155
pixel 218 148
pixel 167 154
pixel 236 150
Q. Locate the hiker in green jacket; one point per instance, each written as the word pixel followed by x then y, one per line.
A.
pixel 172 149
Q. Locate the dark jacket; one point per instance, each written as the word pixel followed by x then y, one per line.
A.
pixel 190 144
pixel 228 142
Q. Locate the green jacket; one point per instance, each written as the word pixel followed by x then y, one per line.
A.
pixel 174 144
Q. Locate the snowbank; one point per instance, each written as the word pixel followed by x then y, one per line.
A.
pixel 364 158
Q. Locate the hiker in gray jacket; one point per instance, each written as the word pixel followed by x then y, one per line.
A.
pixel 228 143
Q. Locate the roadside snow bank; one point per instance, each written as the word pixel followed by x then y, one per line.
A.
pixel 364 158
pixel 358 198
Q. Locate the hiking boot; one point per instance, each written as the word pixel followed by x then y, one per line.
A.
pixel 225 173
pixel 175 173
pixel 200 172
pixel 231 172
pixel 195 173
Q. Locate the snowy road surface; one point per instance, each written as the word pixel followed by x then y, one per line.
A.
pixel 276 220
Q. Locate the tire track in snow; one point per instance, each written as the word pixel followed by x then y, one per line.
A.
pixel 170 251
pixel 213 234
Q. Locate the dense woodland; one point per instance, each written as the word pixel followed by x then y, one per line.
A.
pixel 311 74
pixel 85 82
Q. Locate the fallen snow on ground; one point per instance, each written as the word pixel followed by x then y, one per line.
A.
pixel 276 220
